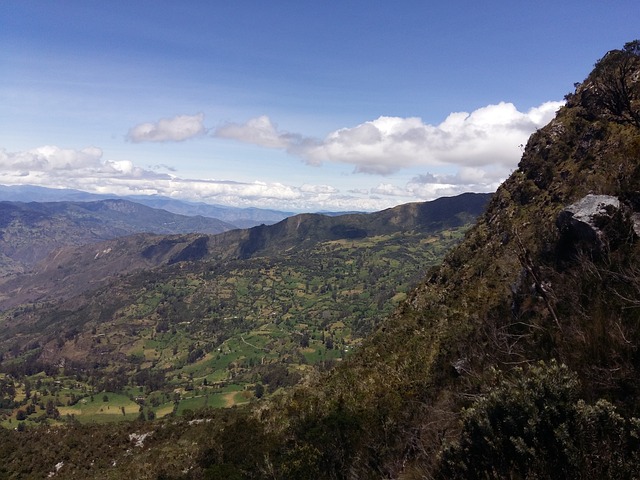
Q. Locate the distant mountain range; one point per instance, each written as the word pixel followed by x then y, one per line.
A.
pixel 238 217
pixel 64 238
pixel 30 231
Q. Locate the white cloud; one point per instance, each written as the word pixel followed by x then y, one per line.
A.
pixel 85 170
pixel 307 188
pixel 466 152
pixel 123 177
pixel 126 168
pixel 467 179
pixel 389 189
pixel 50 158
pixel 431 191
pixel 257 131
pixel 490 135
pixel 176 129
pixel 470 177
pixel 54 166
pixel 544 113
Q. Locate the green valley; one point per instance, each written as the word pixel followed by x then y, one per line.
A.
pixel 211 333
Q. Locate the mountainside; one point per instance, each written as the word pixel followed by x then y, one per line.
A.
pixel 31 231
pixel 300 231
pixel 549 273
pixel 517 357
pixel 70 271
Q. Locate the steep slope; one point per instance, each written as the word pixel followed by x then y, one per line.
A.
pixel 30 231
pixel 301 231
pixel 70 271
pixel 524 286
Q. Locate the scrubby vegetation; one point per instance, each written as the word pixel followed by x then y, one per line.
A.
pixel 534 425
pixel 515 358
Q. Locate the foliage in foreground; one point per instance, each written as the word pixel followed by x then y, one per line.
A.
pixel 533 426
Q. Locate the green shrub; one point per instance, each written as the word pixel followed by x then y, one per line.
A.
pixel 533 426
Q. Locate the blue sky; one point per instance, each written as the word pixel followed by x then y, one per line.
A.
pixel 294 105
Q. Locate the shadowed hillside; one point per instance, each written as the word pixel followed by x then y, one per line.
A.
pixel 542 276
pixel 73 270
pixel 29 232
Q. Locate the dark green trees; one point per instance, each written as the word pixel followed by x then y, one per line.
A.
pixel 617 88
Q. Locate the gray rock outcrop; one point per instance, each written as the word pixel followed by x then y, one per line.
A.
pixel 595 223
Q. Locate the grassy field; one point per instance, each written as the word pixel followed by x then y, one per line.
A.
pixel 116 407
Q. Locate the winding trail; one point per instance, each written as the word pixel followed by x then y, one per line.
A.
pixel 251 344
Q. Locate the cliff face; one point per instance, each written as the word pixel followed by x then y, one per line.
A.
pixel 521 288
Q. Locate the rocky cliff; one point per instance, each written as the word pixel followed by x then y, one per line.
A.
pixel 550 273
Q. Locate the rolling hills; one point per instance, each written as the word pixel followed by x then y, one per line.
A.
pixel 72 270
pixel 200 313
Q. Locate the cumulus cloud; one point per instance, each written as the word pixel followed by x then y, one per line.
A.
pixel 308 188
pixel 176 129
pixel 471 177
pixel 467 179
pixel 466 152
pixel 389 189
pixel 86 170
pixel 257 131
pixel 429 186
pixel 490 135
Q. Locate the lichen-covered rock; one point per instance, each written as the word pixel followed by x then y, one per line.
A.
pixel 595 223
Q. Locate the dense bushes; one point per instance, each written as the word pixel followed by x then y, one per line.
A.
pixel 533 426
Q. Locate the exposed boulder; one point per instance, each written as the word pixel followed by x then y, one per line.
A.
pixel 595 224
pixel 584 218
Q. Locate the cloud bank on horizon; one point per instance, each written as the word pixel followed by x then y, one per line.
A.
pixel 297 107
pixel 479 149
